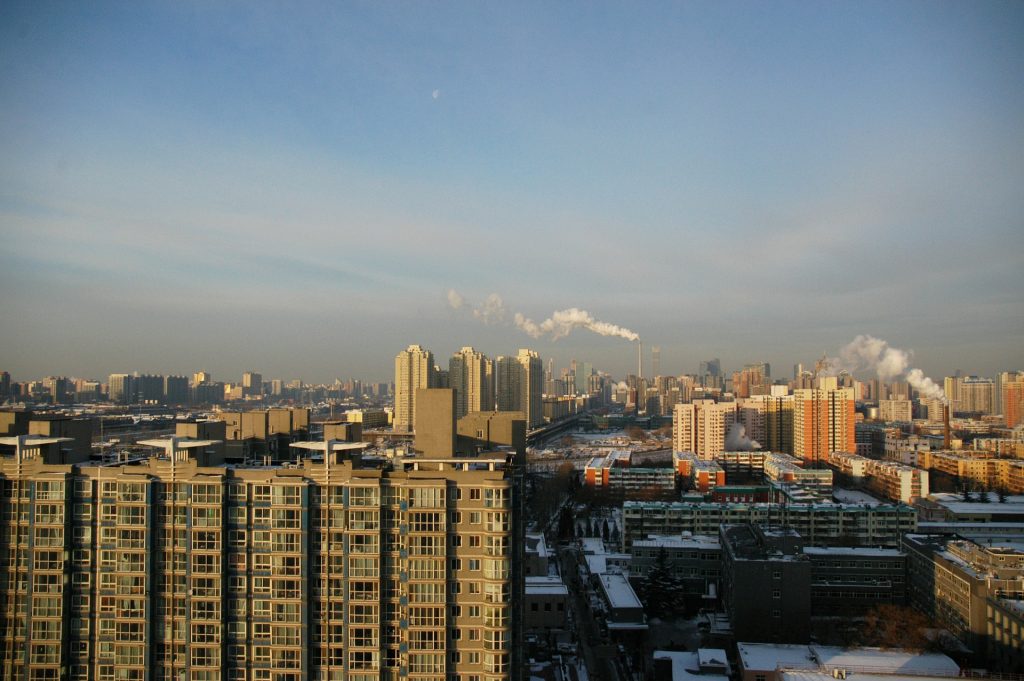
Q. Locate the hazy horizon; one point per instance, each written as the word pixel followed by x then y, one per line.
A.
pixel 296 190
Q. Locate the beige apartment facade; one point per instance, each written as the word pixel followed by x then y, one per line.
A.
pixel 414 369
pixel 333 568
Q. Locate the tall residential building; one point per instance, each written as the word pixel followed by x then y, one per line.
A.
pixel 57 386
pixel 414 369
pixel 823 421
pixel 252 384
pixel 977 395
pixel 336 568
pixel 119 388
pixel 1013 398
pixel 701 426
pixel 508 392
pixel 753 379
pixel 148 388
pixel 520 386
pixel 584 370
pixel 895 410
pixel 176 389
pixel 471 374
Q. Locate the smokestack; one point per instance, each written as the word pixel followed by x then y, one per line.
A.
pixel 947 441
pixel 640 362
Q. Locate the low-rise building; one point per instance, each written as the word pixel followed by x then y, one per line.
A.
pixel 769 662
pixel 785 468
pixel 953 580
pixel 766 581
pixel 546 608
pixel 853 580
pixel 818 524
pixel 696 560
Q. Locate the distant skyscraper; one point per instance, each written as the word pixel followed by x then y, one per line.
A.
pixel 471 374
pixel 711 373
pixel 823 421
pixel 252 384
pixel 119 388
pixel 148 388
pixel 57 386
pixel 176 389
pixel 583 373
pixel 414 369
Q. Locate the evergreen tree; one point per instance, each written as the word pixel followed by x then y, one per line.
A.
pixel 663 592
pixel 604 530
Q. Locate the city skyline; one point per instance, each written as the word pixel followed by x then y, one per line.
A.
pixel 756 183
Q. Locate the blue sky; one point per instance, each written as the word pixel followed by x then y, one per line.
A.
pixel 255 185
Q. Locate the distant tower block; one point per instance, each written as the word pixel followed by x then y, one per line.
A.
pixel 655 360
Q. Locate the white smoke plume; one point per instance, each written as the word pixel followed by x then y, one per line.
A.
pixel 561 323
pixel 737 441
pixel 492 311
pixel 870 353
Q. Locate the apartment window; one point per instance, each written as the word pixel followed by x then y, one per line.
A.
pixel 474 494
pixel 475 517
pixel 776 594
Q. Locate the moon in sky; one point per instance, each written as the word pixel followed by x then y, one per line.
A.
pixel 435 94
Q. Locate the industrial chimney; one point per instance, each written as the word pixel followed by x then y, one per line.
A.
pixel 639 362
pixel 947 441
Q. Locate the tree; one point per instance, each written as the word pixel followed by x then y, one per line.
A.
pixel 565 523
pixel 604 530
pixel 966 492
pixel 895 626
pixel 983 495
pixel 1002 493
pixel 635 432
pixel 662 591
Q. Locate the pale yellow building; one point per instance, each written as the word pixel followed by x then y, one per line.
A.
pixel 471 374
pixel 414 369
pixel 701 427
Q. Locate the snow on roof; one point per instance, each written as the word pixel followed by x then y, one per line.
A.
pixel 806 675
pixel 866 661
pixel 852 496
pixel 852 551
pixel 596 565
pixel 712 657
pixel 887 661
pixel 545 586
pixel 618 592
pixel 768 656
pixel 678 542
pixel 686 665
pixel 593 545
